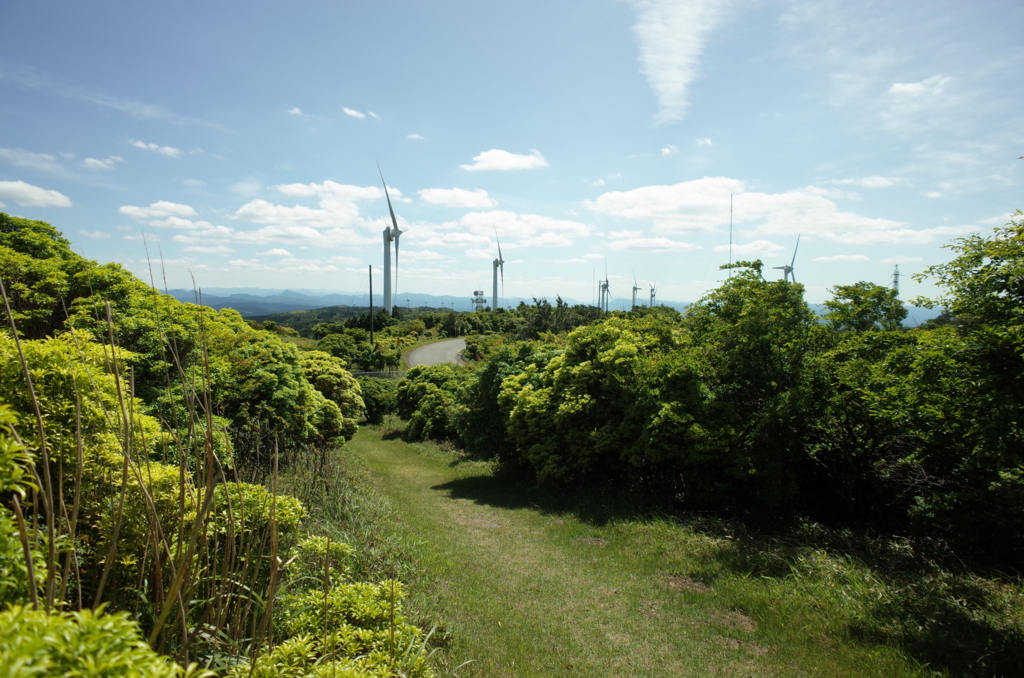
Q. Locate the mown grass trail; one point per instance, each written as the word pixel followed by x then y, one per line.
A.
pixel 528 592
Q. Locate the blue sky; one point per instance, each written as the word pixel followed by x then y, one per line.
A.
pixel 242 138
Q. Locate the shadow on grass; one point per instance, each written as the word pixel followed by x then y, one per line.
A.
pixel 931 606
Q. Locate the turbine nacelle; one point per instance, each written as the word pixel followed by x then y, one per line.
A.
pixel 788 273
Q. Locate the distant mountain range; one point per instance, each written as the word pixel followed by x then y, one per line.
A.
pixel 254 301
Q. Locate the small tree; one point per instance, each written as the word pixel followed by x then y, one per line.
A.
pixel 865 306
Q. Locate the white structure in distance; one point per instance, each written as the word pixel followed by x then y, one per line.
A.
pixel 391 234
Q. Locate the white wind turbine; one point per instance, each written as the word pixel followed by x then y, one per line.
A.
pixel 391 234
pixel 787 270
pixel 636 288
pixel 498 263
pixel 653 289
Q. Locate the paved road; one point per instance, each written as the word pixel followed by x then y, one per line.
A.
pixel 448 351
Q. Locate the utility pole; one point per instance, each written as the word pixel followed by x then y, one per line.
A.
pixel 371 306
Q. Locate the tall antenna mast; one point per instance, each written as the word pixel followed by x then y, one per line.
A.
pixel 896 280
pixel 730 235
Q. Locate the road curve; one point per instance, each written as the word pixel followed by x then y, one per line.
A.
pixel 448 351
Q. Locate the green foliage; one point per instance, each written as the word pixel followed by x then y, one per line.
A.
pixel 341 346
pixel 328 375
pixel 865 306
pixel 82 644
pixel 482 419
pixel 427 398
pixel 319 562
pixel 379 397
pixel 479 347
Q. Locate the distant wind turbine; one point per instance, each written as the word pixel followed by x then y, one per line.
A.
pixel 636 288
pixel 391 234
pixel 498 263
pixel 787 270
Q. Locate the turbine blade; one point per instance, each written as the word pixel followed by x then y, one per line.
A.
pixel 500 258
pixel 394 221
pixel 795 250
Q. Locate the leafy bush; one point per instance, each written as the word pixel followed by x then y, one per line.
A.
pixel 427 398
pixel 328 375
pixel 380 397
pixel 83 644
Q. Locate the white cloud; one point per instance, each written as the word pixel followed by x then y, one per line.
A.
pixel 169 151
pixel 246 186
pixel 108 164
pixel 669 149
pixel 276 252
pixel 757 248
pixel 497 159
pixel 706 141
pixel 871 182
pixel 42 162
pixel 651 245
pixel 902 260
pixel 928 87
pixel 842 257
pixel 422 255
pixel 283 266
pixel 458 197
pixel 350 260
pixel 295 111
pixel 99 235
pixel 28 195
pixel 161 208
pixel 932 194
pixel 332 189
pixel 671 34
pixel 916 106
pixel 413 136
pixel 29 77
pixel 353 113
pixel 518 227
pixel 373 115
pixel 585 259
pixel 208 249
pixel 703 205
pixel 699 205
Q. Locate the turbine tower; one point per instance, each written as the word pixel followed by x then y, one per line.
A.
pixel 498 263
pixel 605 290
pixel 391 234
pixel 636 288
pixel 787 270
pixel 652 295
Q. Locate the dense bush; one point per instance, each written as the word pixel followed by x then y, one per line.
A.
pixel 83 644
pixel 426 397
pixel 380 398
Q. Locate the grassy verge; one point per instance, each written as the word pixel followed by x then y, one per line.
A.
pixel 528 585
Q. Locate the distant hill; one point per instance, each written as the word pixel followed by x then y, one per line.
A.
pixel 253 301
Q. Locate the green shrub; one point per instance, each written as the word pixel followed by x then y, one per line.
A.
pixel 380 397
pixel 82 644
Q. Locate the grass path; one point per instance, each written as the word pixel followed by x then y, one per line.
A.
pixel 526 592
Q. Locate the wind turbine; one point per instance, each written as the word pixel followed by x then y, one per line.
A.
pixel 636 288
pixel 498 263
pixel 653 289
pixel 391 234
pixel 787 270
pixel 606 290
